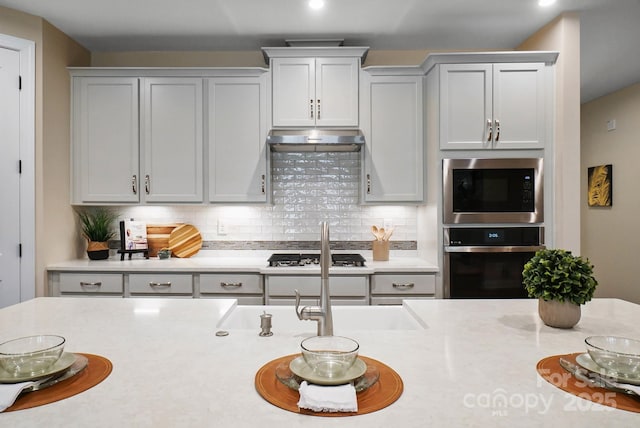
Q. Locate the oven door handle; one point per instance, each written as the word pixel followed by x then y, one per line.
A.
pixel 488 249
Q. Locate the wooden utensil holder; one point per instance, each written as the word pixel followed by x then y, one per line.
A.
pixel 380 250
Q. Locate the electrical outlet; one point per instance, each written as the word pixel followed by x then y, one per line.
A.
pixel 222 227
pixel 611 125
pixel 387 223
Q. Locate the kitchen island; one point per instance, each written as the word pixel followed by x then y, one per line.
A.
pixel 171 370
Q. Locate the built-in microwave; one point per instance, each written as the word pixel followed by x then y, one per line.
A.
pixel 493 191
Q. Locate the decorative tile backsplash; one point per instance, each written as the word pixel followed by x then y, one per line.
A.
pixel 307 188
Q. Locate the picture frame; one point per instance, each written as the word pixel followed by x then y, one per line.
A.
pixel 600 186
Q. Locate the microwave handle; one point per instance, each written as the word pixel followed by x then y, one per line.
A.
pixel 494 249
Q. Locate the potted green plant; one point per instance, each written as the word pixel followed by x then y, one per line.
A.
pixel 97 228
pixel 561 282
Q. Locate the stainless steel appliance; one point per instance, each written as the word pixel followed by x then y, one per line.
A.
pixel 487 262
pixel 285 259
pixel 493 191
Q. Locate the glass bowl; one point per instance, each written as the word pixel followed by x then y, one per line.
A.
pixel 616 354
pixel 329 356
pixel 32 355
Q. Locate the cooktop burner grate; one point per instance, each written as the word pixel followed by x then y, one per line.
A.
pixel 283 259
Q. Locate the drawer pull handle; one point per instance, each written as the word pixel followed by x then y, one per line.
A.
pixel 160 284
pixel 90 284
pixel 231 284
pixel 407 286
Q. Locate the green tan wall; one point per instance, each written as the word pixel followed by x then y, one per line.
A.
pixel 610 234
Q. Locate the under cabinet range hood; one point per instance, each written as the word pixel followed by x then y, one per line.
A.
pixel 315 140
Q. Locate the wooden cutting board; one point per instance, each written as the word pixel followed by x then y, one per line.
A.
pixel 158 236
pixel 185 240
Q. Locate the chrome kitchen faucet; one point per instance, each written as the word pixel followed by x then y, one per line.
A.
pixel 321 314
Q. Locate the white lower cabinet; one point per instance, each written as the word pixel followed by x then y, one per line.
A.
pixel 248 289
pixel 392 289
pixel 345 290
pixel 160 283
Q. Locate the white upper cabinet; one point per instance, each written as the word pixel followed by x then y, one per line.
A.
pixel 105 140
pixel 237 126
pixel 392 121
pixel 311 92
pixel 493 106
pixel 172 139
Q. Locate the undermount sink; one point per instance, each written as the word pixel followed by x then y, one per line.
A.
pixel 345 318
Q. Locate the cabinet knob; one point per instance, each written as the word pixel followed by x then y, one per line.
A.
pixel 407 286
pixel 231 284
pixel 490 130
pixel 147 184
pixel 134 184
pixel 497 129
pixel 160 284
pixel 90 284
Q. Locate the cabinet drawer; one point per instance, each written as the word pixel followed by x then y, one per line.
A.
pixel 161 283
pixel 230 283
pixel 91 283
pixel 310 285
pixel 403 284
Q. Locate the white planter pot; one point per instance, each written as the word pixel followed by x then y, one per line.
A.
pixel 558 314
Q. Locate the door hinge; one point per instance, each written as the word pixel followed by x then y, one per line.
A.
pixel 19 83
pixel 19 250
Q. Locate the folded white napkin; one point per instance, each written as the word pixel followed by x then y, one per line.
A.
pixel 341 398
pixel 9 392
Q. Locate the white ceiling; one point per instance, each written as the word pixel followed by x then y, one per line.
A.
pixel 610 58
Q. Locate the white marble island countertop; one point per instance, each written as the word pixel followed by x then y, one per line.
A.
pixel 171 370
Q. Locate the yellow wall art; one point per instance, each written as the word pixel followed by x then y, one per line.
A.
pixel 600 186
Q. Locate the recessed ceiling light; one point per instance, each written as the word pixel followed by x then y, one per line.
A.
pixel 316 4
pixel 546 2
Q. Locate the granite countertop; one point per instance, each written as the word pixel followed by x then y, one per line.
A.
pixel 169 368
pixel 251 262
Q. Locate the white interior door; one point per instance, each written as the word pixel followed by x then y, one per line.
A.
pixel 10 284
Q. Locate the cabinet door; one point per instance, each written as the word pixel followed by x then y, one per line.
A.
pixel 293 91
pixel 519 106
pixel 394 140
pixel 236 139
pixel 465 106
pixel 172 136
pixel 105 139
pixel 337 91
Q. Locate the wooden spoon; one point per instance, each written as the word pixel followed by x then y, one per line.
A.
pixel 374 230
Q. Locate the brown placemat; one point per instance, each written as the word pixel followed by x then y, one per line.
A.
pixel 97 370
pixel 380 395
pixel 551 371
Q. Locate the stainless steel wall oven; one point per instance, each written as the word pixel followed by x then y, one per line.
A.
pixel 487 262
pixel 493 191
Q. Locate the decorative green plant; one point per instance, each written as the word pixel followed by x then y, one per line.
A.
pixel 97 224
pixel 554 274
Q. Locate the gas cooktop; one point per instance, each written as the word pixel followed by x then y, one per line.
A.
pixel 281 260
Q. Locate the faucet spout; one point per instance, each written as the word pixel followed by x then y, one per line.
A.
pixel 322 314
pixel 325 328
